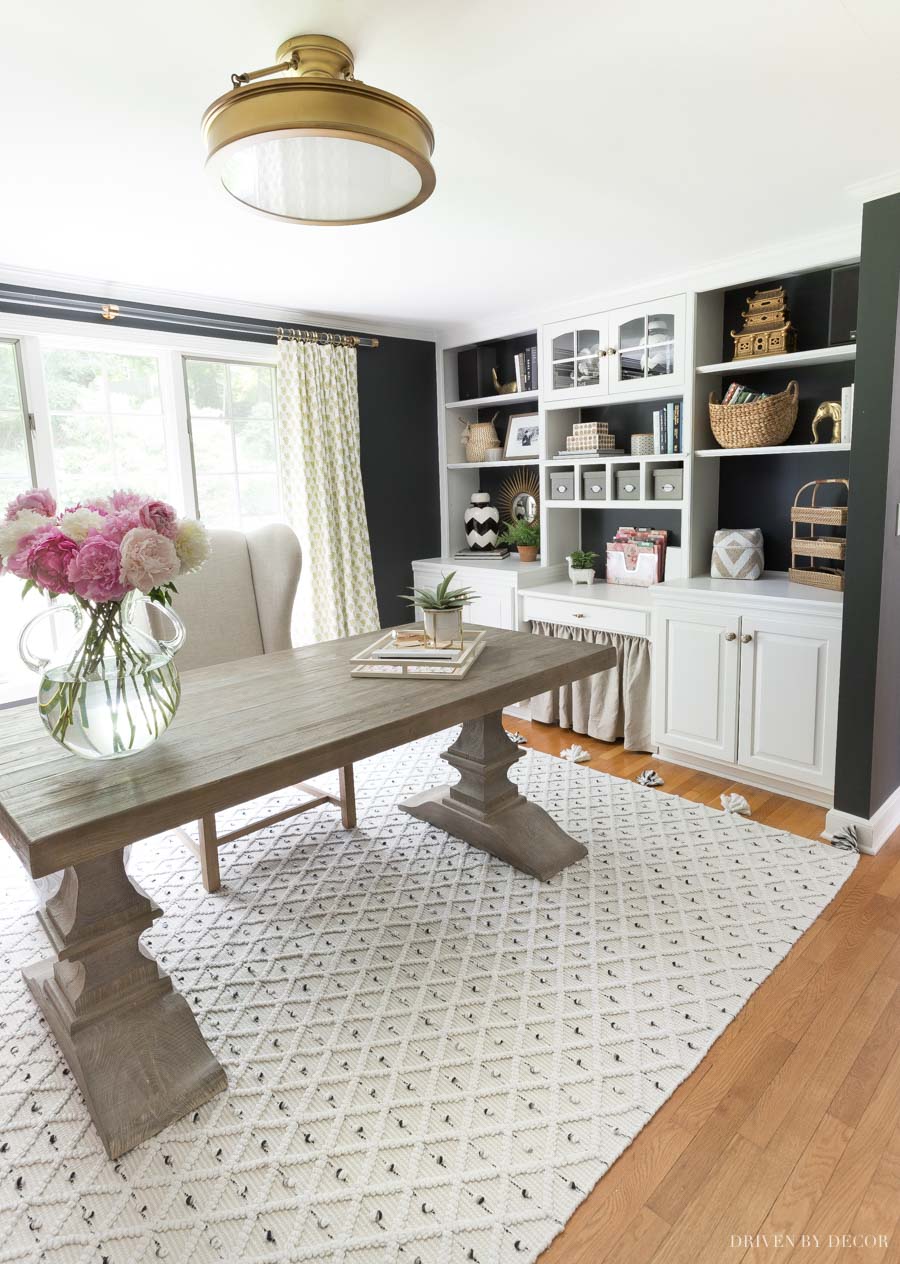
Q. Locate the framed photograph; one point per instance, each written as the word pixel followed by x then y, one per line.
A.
pixel 523 438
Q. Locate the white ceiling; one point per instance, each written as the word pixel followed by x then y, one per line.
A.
pixel 582 147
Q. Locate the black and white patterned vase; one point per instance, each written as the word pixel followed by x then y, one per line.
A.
pixel 482 521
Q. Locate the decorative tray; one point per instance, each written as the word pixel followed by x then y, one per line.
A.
pixel 374 661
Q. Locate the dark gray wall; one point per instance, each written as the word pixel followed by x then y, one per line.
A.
pixel 868 748
pixel 398 447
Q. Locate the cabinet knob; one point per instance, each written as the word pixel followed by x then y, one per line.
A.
pixel 731 636
pixel 746 639
pixel 611 350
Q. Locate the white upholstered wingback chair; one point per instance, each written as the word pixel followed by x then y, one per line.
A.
pixel 238 605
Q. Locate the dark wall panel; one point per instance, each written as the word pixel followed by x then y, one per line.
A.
pixel 398 443
pixel 868 748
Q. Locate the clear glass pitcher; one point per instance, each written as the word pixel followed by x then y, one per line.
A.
pixel 108 688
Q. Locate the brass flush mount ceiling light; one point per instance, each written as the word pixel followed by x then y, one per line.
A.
pixel 304 141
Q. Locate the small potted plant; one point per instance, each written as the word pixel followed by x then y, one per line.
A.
pixel 526 536
pixel 442 610
pixel 581 566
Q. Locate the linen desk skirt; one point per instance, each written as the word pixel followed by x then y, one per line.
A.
pixel 609 704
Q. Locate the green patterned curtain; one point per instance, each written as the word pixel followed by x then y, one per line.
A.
pixel 318 423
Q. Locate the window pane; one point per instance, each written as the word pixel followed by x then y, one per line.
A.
pixel 218 500
pixel 15 466
pixel 251 390
pixel 107 425
pixel 9 378
pixel 235 444
pixel 206 388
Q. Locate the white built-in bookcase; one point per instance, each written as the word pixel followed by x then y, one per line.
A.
pixel 698 368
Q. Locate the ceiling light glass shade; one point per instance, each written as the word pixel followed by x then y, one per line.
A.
pixel 314 148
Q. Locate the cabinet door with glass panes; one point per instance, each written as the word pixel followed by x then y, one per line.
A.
pixel 646 346
pixel 575 358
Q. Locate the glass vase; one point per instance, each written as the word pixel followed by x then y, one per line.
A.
pixel 108 687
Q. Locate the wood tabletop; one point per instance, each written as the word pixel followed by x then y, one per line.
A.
pixel 249 728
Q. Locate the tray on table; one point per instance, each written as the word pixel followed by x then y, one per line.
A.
pixel 366 665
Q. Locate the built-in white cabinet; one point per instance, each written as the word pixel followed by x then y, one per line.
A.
pixel 745 679
pixel 498 585
pixel 632 349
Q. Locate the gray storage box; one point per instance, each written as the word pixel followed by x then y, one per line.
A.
pixel 668 484
pixel 562 484
pixel 628 484
pixel 593 483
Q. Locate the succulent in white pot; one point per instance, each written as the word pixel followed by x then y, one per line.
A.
pixel 581 566
pixel 442 609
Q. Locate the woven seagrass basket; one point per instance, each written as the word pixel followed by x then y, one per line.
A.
pixel 762 424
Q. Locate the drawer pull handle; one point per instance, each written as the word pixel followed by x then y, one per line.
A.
pixel 746 639
pixel 595 487
pixel 731 636
pixel 668 487
pixel 629 487
pixel 577 616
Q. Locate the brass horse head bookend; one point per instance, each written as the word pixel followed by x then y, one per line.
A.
pixel 832 412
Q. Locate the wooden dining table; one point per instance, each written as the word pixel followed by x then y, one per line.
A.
pixel 244 729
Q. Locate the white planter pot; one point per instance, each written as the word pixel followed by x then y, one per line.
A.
pixel 585 576
pixel 442 625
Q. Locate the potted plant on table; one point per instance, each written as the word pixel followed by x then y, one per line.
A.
pixel 526 536
pixel 442 610
pixel 581 566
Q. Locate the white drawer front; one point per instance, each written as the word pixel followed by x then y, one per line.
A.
pixel 587 614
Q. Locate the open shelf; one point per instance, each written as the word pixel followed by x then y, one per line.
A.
pixel 614 504
pixel 783 449
pixel 623 459
pixel 490 465
pixel 791 359
pixel 486 401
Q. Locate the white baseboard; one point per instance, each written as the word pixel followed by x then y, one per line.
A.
pixel 749 776
pixel 872 832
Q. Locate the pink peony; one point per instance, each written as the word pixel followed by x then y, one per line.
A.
pixel 148 559
pixel 38 499
pixel 44 557
pixel 94 572
pixel 118 523
pixel 159 516
pixel 127 500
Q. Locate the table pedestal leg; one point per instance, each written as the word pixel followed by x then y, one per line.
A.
pixel 485 809
pixel 130 1039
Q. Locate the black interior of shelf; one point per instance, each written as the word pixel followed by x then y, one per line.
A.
pixel 474 364
pixel 599 526
pixel 490 479
pixel 808 297
pixel 628 418
pixel 758 491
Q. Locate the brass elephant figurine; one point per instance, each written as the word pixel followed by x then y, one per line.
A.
pixel 828 411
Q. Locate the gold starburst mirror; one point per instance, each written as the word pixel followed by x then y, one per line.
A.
pixel 519 497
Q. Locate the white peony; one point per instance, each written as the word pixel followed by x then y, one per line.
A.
pixel 12 531
pixel 76 523
pixel 192 545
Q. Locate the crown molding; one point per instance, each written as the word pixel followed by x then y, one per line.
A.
pixel 119 290
pixel 877 187
pixel 839 245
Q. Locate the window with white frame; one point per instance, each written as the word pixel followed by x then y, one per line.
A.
pixel 231 406
pixel 107 423
pixel 155 413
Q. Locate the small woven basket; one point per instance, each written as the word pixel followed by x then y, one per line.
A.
pixel 763 424
pixel 478 437
pixel 811 546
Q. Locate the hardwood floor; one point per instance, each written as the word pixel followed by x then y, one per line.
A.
pixel 791 1124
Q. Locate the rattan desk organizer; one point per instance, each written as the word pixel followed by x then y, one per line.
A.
pixel 814 547
pixel 762 424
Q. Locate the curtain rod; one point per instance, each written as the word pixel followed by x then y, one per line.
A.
pixel 13 297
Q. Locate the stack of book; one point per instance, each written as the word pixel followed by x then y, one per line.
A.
pixel 590 438
pixel 526 369
pixel 667 429
pixel 480 555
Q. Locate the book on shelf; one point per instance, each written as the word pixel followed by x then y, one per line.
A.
pixel 847 413
pixel 526 369
pixel 737 394
pixel 598 453
pixel 667 429
pixel 481 555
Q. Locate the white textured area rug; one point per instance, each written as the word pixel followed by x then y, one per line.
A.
pixel 431 1057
